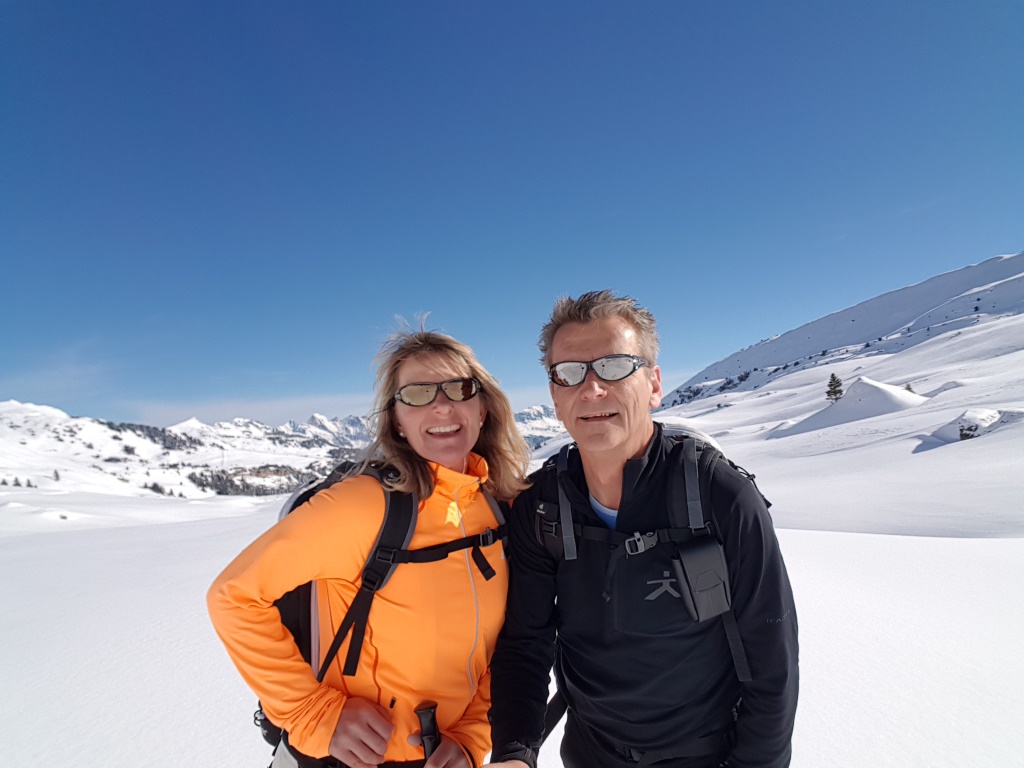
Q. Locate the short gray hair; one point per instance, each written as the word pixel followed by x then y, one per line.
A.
pixel 595 305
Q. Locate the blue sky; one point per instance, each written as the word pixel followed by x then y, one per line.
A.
pixel 219 209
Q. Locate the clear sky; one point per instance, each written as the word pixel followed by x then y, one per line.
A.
pixel 219 208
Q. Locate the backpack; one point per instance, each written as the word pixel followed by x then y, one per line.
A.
pixel 298 607
pixel 700 565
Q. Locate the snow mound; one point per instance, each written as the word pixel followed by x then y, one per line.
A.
pixel 31 411
pixel 976 422
pixel 864 399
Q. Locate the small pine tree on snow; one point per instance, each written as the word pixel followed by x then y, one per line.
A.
pixel 16 483
pixel 4 481
pixel 909 388
pixel 56 475
pixel 28 483
pixel 835 389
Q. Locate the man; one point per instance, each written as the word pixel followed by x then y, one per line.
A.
pixel 644 682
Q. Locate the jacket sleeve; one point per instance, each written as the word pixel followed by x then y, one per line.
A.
pixel 307 545
pixel 472 731
pixel 766 616
pixel 520 670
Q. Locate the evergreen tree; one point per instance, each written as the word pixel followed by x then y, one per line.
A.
pixel 835 389
pixel 909 388
pixel 4 481
pixel 17 483
pixel 56 475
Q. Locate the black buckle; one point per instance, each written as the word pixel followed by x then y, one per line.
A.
pixel 386 555
pixel 487 538
pixel 372 581
pixel 549 527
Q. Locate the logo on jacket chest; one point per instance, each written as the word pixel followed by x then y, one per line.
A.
pixel 454 515
pixel 664 586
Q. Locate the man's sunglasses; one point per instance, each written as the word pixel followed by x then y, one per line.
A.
pixel 456 390
pixel 608 368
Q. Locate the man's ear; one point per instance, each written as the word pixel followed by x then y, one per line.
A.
pixel 656 390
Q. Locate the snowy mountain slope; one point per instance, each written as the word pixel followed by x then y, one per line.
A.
pixel 989 292
pixel 883 446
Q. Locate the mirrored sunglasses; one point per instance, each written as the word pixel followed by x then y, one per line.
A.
pixel 608 368
pixel 456 390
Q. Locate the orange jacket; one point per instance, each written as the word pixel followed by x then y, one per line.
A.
pixel 431 631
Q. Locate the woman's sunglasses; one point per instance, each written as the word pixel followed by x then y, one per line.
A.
pixel 608 368
pixel 456 390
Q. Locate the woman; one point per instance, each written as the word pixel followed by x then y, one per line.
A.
pixel 445 427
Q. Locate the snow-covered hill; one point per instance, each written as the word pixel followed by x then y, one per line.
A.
pixel 933 312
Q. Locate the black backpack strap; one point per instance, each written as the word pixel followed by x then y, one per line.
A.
pixel 395 534
pixel 436 552
pixel 690 484
pixel 739 653
pixel 557 705
pixel 701 567
pixel 564 508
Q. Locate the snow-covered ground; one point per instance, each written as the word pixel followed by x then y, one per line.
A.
pixel 904 542
pixel 909 644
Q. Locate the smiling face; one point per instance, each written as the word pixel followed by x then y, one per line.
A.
pixel 609 420
pixel 444 431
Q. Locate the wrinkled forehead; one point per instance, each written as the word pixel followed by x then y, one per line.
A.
pixel 594 339
pixel 432 367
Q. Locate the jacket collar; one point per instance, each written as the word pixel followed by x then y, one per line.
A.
pixel 448 482
pixel 635 472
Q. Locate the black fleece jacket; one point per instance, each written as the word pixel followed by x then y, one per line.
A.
pixel 636 668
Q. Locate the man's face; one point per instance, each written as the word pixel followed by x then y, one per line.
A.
pixel 607 419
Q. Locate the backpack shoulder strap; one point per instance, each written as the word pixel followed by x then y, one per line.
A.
pixel 553 525
pixel 305 492
pixel 690 484
pixel 564 508
pixel 701 567
pixel 395 534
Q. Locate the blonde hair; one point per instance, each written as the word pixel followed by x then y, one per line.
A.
pixel 500 442
pixel 595 305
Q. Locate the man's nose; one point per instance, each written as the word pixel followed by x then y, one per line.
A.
pixel 592 386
